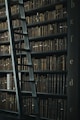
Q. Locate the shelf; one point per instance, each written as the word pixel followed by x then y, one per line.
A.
pixel 4 18
pixel 2 31
pixel 46 95
pixel 4 42
pixel 42 54
pixel 36 54
pixel 40 94
pixel 3 72
pixel 8 91
pixel 3 55
pixel 41 38
pixel 51 72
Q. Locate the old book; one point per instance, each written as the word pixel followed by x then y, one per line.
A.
pixel 9 82
pixel 41 107
pixel 42 17
pixel 14 9
pixel 2 11
pixel 26 6
pixel 59 11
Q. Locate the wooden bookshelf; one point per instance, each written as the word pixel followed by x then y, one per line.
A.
pixel 47 30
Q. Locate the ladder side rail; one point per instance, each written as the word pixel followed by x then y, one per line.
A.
pixel 28 55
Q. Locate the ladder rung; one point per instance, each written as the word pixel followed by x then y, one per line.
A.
pixel 17 28
pixel 33 96
pixel 25 50
pixel 25 64
pixel 21 33
pixel 22 18
pixel 21 2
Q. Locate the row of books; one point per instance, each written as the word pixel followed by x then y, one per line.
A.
pixel 39 46
pixel 40 30
pixel 8 101
pixel 4 36
pixel 54 109
pixel 7 82
pixel 58 12
pixel 16 23
pixel 48 107
pixel 14 9
pixel 61 11
pixel 33 4
pixel 2 12
pixel 48 29
pixel 49 45
pixel 3 82
pixel 5 64
pixel 3 25
pixel 36 18
pixel 51 63
pixel 4 49
pixel 39 3
pixel 48 83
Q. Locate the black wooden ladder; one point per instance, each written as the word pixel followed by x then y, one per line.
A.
pixel 23 32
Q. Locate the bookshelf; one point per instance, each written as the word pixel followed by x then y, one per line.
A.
pixel 48 36
pixel 47 28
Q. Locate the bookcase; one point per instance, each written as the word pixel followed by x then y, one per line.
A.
pixel 48 35
pixel 47 29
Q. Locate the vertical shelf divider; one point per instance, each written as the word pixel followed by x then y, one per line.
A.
pixel 73 60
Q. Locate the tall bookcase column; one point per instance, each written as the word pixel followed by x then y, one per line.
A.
pixel 73 60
